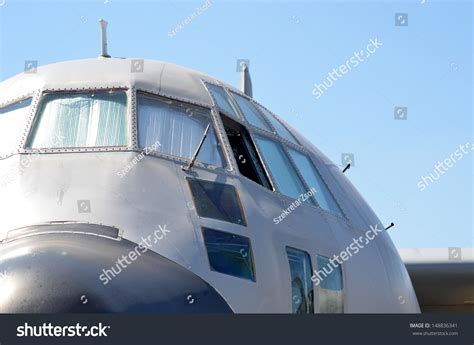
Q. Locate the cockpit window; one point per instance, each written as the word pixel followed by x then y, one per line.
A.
pixel 250 112
pixel 284 175
pixel 176 128
pixel 12 119
pixel 223 100
pixel 73 120
pixel 311 175
pixel 280 129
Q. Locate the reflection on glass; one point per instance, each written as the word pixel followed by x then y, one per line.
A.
pixel 224 103
pixel 281 130
pixel 250 112
pixel 68 120
pixel 176 129
pixel 313 179
pixel 331 299
pixel 216 200
pixel 284 175
pixel 302 291
pixel 229 254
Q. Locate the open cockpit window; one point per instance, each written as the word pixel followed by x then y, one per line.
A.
pixel 244 151
pixel 250 112
pixel 12 121
pixel 223 101
pixel 176 129
pixel 85 119
pixel 280 129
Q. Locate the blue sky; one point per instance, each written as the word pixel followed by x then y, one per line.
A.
pixel 425 66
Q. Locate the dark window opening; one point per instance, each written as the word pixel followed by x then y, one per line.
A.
pixel 245 154
pixel 217 200
pixel 229 254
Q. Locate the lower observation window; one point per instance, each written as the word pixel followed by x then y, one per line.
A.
pixel 74 120
pixel 229 254
pixel 217 200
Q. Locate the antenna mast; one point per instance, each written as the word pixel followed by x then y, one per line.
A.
pixel 103 39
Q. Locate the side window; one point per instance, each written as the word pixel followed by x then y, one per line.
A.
pixel 176 129
pixel 217 200
pixel 244 152
pixel 313 179
pixel 250 112
pixel 12 119
pixel 284 175
pixel 224 102
pixel 229 253
pixel 280 129
pixel 329 279
pixel 302 292
pixel 71 120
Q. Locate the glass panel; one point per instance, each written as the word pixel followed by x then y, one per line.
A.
pixel 229 254
pixel 284 175
pixel 250 112
pixel 81 120
pixel 313 180
pixel 302 292
pixel 176 129
pixel 281 130
pixel 224 103
pixel 245 153
pixel 12 122
pixel 329 279
pixel 217 200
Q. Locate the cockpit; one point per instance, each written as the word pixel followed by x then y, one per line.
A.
pixel 242 133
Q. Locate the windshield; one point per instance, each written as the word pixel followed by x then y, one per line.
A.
pixel 69 120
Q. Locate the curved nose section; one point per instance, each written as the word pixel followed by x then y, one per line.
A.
pixel 64 273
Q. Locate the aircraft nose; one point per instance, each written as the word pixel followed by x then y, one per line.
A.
pixel 56 272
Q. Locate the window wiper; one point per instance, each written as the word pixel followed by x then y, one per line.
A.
pixel 204 136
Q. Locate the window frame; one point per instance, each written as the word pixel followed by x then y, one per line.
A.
pixel 132 118
pixel 239 115
pixel 312 161
pixel 35 114
pixel 313 203
pixel 258 106
pixel 343 278
pixel 220 143
pixel 251 138
pixel 254 265
pixel 274 136
pixel 260 115
pixel 244 222
pixel 312 271
pixel 24 125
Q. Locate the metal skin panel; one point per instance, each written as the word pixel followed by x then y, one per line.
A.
pixel 155 193
pixel 57 273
